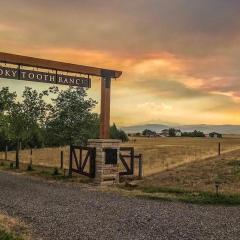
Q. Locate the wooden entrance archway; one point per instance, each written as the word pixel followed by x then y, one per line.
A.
pixel 105 74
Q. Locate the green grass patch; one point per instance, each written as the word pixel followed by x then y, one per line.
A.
pixel 234 163
pixel 176 194
pixel 211 198
pixel 47 173
pixel 152 189
pixel 4 235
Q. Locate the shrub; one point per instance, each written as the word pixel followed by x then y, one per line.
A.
pixel 55 172
pixel 29 167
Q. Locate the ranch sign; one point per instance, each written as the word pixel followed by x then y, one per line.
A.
pixel 56 68
pixel 44 77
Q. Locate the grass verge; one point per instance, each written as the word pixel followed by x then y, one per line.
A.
pixel 4 235
pixel 13 229
pixel 176 194
pixel 47 173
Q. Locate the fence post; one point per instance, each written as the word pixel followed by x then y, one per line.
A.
pixel 31 153
pixel 132 161
pixel 70 162
pixel 219 149
pixel 140 167
pixel 61 164
pixel 6 153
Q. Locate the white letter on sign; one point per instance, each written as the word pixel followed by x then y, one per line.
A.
pixel 31 75
pixel 39 77
pixel 7 73
pixel 14 72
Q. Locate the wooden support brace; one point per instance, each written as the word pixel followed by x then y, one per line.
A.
pixel 105 107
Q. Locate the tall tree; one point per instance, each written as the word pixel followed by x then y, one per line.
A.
pixel 116 133
pixel 36 111
pixel 25 118
pixel 17 126
pixel 7 99
pixel 71 120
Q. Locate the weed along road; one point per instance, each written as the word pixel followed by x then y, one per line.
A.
pixel 70 211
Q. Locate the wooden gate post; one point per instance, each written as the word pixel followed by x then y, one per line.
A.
pixel 70 162
pixel 140 167
pixel 219 149
pixel 132 161
pixel 31 156
pixel 6 153
pixel 61 160
pixel 105 107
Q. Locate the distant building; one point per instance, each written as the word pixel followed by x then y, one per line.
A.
pixel 215 135
pixel 170 133
pixel 178 133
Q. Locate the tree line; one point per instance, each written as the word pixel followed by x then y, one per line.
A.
pixel 33 120
pixel 172 132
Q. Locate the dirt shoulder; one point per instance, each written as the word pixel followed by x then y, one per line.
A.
pixel 13 229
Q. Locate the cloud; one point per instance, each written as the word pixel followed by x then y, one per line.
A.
pixel 178 26
pixel 179 53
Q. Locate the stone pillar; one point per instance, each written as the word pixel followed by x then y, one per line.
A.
pixel 106 174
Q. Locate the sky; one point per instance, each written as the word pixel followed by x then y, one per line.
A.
pixel 180 58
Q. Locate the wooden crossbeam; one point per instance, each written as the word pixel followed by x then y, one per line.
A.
pixel 56 65
pixel 105 74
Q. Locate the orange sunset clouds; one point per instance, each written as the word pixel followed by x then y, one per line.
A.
pixel 180 58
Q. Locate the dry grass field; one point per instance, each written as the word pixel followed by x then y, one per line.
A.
pixel 43 157
pixel 159 154
pixel 185 169
pixel 165 153
pixel 201 176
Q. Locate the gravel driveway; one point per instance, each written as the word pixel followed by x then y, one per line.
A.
pixel 60 211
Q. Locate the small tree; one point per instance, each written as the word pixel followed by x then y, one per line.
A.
pixel 71 119
pixel 172 132
pixel 7 99
pixel 17 127
pixel 26 117
pixel 193 134
pixel 148 132
pixel 116 133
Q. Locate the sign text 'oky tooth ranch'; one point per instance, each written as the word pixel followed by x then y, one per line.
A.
pixel 44 77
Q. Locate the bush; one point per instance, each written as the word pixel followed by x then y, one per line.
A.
pixel 116 133
pixel 29 168
pixel 193 134
pixel 4 235
pixel 55 172
pixel 148 132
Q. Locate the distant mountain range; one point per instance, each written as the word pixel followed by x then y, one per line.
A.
pixel 224 129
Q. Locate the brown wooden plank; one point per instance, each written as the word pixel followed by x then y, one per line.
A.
pixel 132 161
pixel 82 173
pixel 57 65
pixel 126 149
pixel 86 159
pixel 125 164
pixel 105 108
pixel 70 162
pixel 126 156
pixel 76 160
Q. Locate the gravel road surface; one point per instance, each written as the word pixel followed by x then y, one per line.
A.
pixel 62 211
